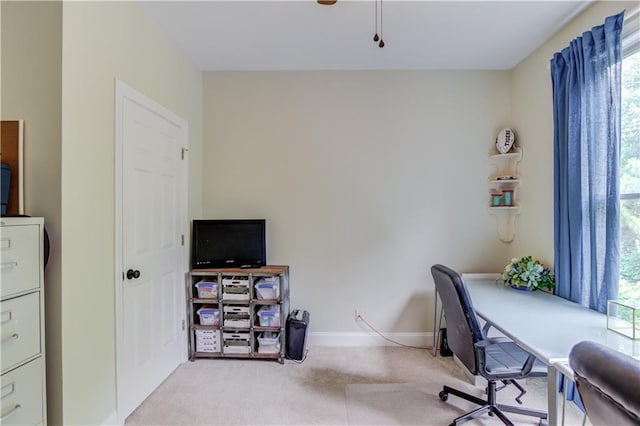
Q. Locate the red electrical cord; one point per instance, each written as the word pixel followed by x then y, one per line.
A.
pixel 388 339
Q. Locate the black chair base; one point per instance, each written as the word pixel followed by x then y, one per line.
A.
pixel 489 406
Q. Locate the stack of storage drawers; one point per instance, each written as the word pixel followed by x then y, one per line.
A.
pixel 22 309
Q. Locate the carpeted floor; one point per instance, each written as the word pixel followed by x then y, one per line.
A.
pixel 334 386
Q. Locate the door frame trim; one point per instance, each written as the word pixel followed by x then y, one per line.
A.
pixel 122 92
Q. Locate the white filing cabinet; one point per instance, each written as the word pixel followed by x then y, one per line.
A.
pixel 22 382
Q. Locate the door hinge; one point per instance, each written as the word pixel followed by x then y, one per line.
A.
pixel 183 325
pixel 183 151
pixel 182 239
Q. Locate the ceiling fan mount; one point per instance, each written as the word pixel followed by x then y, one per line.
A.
pixel 376 38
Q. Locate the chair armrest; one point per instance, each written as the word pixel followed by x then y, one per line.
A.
pixel 497 339
pixel 485 328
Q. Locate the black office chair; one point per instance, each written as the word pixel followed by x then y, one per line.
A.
pixel 493 358
pixel 608 382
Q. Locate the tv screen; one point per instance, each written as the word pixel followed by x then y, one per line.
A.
pixel 228 243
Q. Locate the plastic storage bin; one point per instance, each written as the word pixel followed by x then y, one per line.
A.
pixel 207 289
pixel 268 342
pixel 269 316
pixel 207 340
pixel 209 316
pixel 268 288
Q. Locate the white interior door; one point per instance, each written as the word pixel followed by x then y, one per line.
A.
pixel 151 300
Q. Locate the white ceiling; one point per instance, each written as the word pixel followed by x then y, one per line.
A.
pixel 303 35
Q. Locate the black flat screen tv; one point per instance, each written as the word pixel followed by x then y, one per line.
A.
pixel 228 243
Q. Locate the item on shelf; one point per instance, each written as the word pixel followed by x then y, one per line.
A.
pixel 297 328
pixel 237 316
pixel 505 140
pixel 236 342
pixel 209 315
pixel 268 342
pixel 496 199
pixel 207 289
pixel 207 340
pixel 508 197
pixel 235 288
pixel 269 316
pixel 268 288
pixel 228 243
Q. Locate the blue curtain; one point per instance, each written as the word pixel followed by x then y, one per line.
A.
pixel 586 116
pixel 570 393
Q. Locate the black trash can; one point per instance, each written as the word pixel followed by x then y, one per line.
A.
pixel 297 328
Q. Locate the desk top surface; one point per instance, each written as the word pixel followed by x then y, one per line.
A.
pixel 543 324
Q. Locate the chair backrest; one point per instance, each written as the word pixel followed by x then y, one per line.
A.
pixel 463 329
pixel 608 382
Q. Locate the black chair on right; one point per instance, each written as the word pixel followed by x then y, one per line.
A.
pixel 495 359
pixel 608 383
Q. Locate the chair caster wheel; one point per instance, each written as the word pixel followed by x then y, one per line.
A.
pixel 443 396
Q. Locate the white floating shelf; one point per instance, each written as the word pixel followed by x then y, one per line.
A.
pixel 503 181
pixel 506 220
pixel 498 208
pixel 515 153
pixel 505 165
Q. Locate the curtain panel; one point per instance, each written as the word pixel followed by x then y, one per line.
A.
pixel 586 81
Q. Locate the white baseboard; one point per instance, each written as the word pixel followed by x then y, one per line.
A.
pixel 112 420
pixel 368 339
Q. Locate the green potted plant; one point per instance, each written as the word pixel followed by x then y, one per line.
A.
pixel 529 274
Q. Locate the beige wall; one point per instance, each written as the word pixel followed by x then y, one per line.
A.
pixel 31 90
pixel 532 112
pixel 103 41
pixel 365 179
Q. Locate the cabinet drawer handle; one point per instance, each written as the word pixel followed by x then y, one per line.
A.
pixel 10 412
pixel 6 316
pixel 11 338
pixel 8 265
pixel 8 389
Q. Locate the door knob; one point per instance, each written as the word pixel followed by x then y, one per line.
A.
pixel 133 274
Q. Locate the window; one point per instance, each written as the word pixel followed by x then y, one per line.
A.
pixel 629 287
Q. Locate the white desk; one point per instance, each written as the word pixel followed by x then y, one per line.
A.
pixel 548 326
